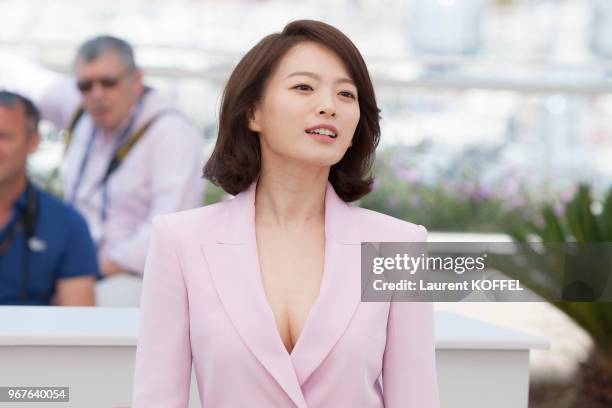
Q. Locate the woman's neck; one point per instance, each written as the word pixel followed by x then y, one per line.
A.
pixel 289 200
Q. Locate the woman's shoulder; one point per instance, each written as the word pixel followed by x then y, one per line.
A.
pixel 384 227
pixel 190 222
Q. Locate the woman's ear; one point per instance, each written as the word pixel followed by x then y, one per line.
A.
pixel 253 118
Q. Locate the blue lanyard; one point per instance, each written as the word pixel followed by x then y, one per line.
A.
pixel 126 132
pixel 83 165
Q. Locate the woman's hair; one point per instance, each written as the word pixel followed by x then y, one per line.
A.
pixel 236 159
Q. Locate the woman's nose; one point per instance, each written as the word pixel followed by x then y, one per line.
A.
pixel 327 108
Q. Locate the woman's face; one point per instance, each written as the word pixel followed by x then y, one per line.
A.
pixel 309 109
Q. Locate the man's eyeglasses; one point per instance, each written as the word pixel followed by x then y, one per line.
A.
pixel 87 85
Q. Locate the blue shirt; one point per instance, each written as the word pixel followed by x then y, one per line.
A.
pixel 65 250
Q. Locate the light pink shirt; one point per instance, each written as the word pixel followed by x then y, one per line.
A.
pixel 161 174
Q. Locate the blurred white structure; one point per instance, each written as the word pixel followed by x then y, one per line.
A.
pixel 601 27
pixel 92 351
pixel 446 26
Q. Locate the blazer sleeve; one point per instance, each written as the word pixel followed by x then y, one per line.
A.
pixel 162 374
pixel 409 364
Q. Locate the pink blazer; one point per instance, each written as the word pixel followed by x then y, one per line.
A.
pixel 203 301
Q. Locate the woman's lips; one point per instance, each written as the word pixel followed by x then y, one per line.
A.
pixel 322 138
pixel 324 128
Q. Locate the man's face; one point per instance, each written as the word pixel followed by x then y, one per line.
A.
pixel 15 143
pixel 109 89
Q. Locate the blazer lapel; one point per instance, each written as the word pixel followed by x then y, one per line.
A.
pixel 340 291
pixel 233 263
pixel 234 266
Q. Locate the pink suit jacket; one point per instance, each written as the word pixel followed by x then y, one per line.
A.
pixel 203 302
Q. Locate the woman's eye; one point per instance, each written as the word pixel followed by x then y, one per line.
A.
pixel 303 87
pixel 348 94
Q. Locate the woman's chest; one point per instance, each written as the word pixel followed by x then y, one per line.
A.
pixel 229 309
pixel 291 271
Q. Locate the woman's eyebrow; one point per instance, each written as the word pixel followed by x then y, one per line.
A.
pixel 317 77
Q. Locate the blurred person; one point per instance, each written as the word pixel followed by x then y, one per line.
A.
pixel 47 255
pixel 129 155
pixel 262 292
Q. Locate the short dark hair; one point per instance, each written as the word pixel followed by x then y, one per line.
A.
pixel 236 159
pixel 11 100
pixel 94 47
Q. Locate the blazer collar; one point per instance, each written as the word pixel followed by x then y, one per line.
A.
pixel 234 267
pixel 238 226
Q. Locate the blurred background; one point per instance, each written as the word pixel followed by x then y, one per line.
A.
pixel 492 110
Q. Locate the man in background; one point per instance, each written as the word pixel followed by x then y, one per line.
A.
pixel 46 253
pixel 129 155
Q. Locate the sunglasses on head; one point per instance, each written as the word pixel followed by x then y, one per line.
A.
pixel 87 85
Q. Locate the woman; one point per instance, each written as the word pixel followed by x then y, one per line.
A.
pixel 262 292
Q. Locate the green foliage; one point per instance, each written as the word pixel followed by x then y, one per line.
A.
pixel 443 202
pixel 577 222
pixel 213 194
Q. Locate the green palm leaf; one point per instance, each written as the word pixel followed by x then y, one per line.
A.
pixel 543 273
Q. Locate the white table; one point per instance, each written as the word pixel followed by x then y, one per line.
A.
pixel 482 365
pixel 92 351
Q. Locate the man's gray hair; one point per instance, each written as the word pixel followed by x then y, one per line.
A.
pixel 93 48
pixel 11 100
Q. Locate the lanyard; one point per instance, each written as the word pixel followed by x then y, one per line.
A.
pixel 22 219
pixel 14 228
pixel 83 165
pixel 26 220
pixel 103 183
